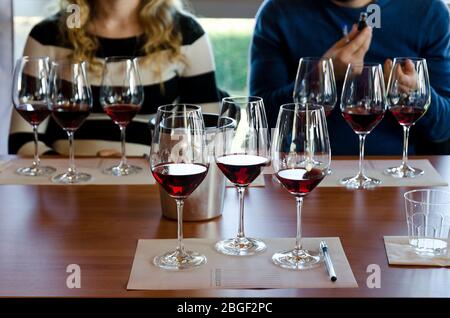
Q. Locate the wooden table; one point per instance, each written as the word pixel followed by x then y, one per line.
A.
pixel 43 229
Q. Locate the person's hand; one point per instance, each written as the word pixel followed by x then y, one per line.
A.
pixel 406 75
pixel 342 52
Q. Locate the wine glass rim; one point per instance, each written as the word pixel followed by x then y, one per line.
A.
pixel 314 58
pixel 120 58
pixel 365 64
pixel 404 58
pixel 165 108
pixel 242 99
pixel 33 58
pixel 66 61
pixel 312 107
pixel 407 196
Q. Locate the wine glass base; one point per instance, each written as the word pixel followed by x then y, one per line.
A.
pixel 403 171
pixel 297 259
pixel 360 182
pixel 122 170
pixel 36 171
pixel 177 260
pixel 244 246
pixel 72 178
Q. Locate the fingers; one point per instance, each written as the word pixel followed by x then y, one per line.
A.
pixel 344 53
pixel 406 76
pixel 342 42
pixel 360 41
pixel 387 68
pixel 409 67
pixel 353 33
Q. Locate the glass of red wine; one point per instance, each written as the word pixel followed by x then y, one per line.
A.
pixel 121 95
pixel 241 151
pixel 30 99
pixel 363 104
pixel 70 104
pixel 179 162
pixel 408 97
pixel 301 157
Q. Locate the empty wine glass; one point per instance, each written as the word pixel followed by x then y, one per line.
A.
pixel 301 157
pixel 121 95
pixel 409 97
pixel 30 98
pixel 179 162
pixel 315 83
pixel 363 104
pixel 70 104
pixel 241 151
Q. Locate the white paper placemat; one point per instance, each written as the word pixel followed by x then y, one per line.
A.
pixel 223 271
pixel 93 166
pixel 375 168
pixel 399 252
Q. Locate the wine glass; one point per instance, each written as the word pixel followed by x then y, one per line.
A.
pixel 409 97
pixel 70 104
pixel 241 151
pixel 315 83
pixel 121 95
pixel 363 104
pixel 179 162
pixel 301 157
pixel 30 99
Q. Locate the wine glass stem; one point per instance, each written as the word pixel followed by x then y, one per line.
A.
pixel 405 145
pixel 298 238
pixel 36 160
pixel 241 192
pixel 71 152
pixel 123 161
pixel 362 141
pixel 180 204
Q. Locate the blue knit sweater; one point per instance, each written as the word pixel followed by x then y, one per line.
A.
pixel 289 29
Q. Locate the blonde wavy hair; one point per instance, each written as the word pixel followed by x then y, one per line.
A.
pixel 157 19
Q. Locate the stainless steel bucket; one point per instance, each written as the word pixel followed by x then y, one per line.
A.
pixel 206 201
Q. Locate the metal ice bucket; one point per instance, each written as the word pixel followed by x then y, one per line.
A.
pixel 206 201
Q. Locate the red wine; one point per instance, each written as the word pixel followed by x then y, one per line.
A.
pixel 179 179
pixel 407 115
pixel 70 118
pixel 122 114
pixel 362 120
pixel 241 169
pixel 33 113
pixel 300 181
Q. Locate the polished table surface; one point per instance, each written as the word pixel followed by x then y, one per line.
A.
pixel 43 229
